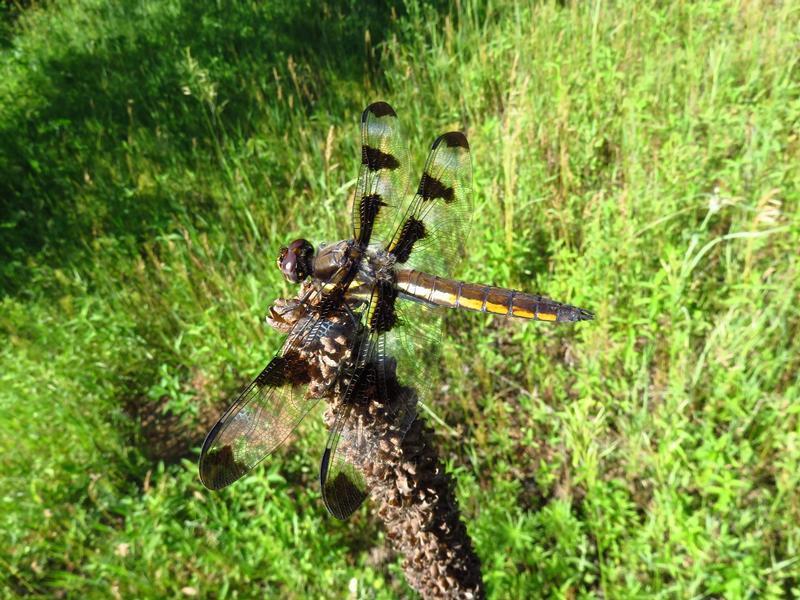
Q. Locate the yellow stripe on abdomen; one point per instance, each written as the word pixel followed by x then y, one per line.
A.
pixel 471 296
pixel 497 309
pixel 518 311
pixel 470 304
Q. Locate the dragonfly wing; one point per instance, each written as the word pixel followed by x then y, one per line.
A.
pixel 267 411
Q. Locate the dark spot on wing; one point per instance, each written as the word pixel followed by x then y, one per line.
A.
pixel 379 109
pixel 282 370
pixel 347 494
pixel 453 139
pixel 431 188
pixel 376 159
pixel 273 374
pixel 384 316
pixel 368 209
pixel 342 492
pixel 220 468
pixel 413 230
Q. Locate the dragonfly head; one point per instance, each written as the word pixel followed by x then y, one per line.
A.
pixel 295 262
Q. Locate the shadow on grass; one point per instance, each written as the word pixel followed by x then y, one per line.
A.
pixel 105 100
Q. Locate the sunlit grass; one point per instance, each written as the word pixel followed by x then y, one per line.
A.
pixel 639 161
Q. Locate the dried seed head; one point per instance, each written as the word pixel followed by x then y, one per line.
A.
pixel 412 494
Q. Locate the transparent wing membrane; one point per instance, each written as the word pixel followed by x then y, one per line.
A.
pixel 259 420
pixel 392 371
pixel 383 175
pixel 380 404
pixel 343 484
pixel 433 233
pixel 268 410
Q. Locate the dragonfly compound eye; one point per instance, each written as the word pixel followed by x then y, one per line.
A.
pixel 295 261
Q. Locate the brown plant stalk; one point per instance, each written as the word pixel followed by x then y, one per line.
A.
pixel 395 451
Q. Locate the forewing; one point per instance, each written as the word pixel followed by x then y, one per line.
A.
pixel 383 175
pixel 433 232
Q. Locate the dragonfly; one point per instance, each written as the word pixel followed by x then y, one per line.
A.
pixel 369 311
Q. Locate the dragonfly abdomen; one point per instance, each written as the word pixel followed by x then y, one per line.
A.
pixel 438 291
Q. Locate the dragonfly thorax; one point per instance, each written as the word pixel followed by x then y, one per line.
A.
pixel 367 267
pixel 378 264
pixel 335 258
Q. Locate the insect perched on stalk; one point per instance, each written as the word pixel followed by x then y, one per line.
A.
pixel 365 328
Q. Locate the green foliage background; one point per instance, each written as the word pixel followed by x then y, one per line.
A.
pixel 638 159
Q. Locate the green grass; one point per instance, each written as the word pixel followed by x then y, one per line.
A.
pixel 638 160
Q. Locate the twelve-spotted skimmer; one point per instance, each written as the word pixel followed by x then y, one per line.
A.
pixel 402 248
